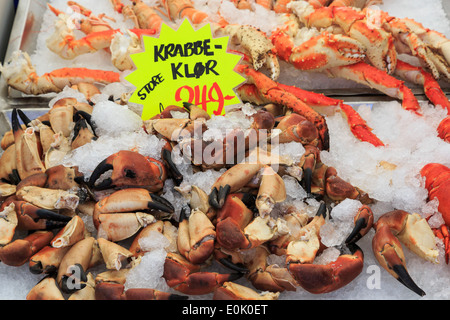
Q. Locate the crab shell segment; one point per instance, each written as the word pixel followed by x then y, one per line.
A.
pixel 49 199
pixel 196 236
pixel 28 149
pixel 130 200
pixel 129 169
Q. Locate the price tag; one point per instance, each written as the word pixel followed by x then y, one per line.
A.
pixel 184 65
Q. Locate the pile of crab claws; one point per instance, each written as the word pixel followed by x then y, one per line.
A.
pixel 322 210
pixel 307 180
pixel 217 197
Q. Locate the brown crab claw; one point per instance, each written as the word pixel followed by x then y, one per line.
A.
pixel 31 217
pixel 129 169
pixel 28 150
pixel 72 271
pixel 400 227
pixel 20 251
pixel 182 276
pixel 196 236
pixel 319 279
pixel 46 289
pixel 130 200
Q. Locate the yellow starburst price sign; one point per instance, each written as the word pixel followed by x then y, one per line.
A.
pixel 184 65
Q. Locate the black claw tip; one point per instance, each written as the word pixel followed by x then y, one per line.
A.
pixel 175 173
pixel 307 180
pixel 355 235
pixel 406 280
pixel 223 193
pixel 233 266
pixel 98 171
pixel 322 211
pixel 178 297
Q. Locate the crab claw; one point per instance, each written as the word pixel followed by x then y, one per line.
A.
pixel 72 271
pixel 47 260
pixel 20 251
pixel 196 236
pixel 231 181
pixel 363 223
pixel 231 219
pixel 48 198
pixel 129 169
pixel 8 166
pixel 116 291
pixel 57 177
pixel 129 200
pixel 411 230
pixel 182 276
pixel 31 217
pixel 28 153
pixel 120 226
pixel 271 191
pixel 234 291
pixel 326 180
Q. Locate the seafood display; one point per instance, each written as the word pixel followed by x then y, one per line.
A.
pixel 291 194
